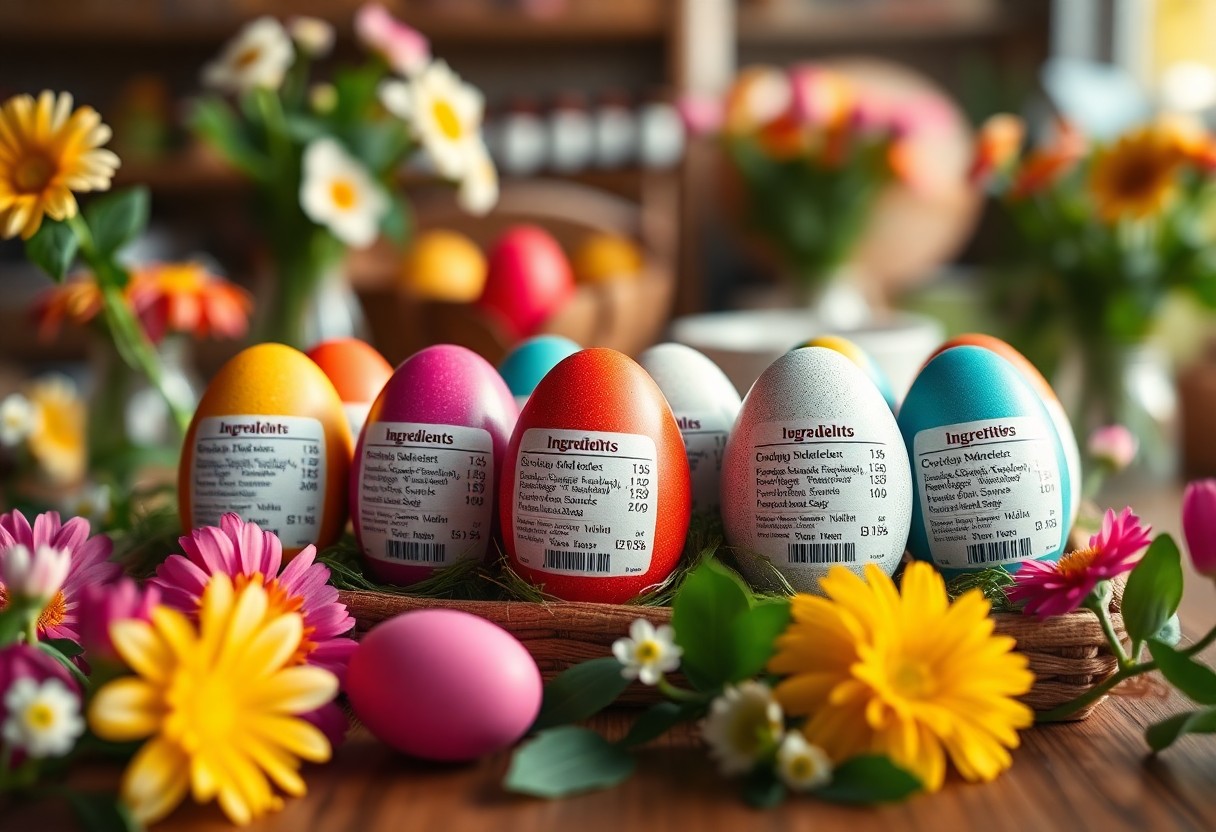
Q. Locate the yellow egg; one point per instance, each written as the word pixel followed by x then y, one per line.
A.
pixel 605 257
pixel 269 442
pixel 444 265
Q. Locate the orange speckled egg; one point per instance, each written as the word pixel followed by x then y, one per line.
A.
pixel 358 373
pixel 270 442
pixel 595 495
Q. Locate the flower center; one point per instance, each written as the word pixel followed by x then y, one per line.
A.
pixel 912 680
pixel 180 280
pixel 54 612
pixel 201 712
pixel 247 57
pixel 801 768
pixel 448 121
pixel 279 602
pixel 33 174
pixel 1077 563
pixel 40 716
pixel 646 652
pixel 343 193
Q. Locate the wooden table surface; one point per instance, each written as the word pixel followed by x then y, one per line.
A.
pixel 1095 774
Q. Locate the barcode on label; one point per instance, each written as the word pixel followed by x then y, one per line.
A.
pixel 998 550
pixel 414 551
pixel 822 552
pixel 578 561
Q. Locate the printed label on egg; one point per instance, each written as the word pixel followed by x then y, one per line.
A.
pixel 704 441
pixel 268 469
pixel 424 493
pixel 989 491
pixel 819 492
pixel 585 502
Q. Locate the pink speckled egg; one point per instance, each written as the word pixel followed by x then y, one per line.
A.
pixel 444 685
pixel 427 463
pixel 529 279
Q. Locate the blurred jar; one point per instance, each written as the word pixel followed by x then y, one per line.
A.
pixel 571 134
pixel 616 131
pixel 660 133
pixel 522 141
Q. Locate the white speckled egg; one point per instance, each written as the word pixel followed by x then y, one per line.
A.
pixel 705 404
pixel 815 473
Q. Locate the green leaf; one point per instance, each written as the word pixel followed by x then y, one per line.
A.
pixel 102 812
pixel 580 692
pixel 398 221
pixel 762 789
pixel 12 624
pixel 213 120
pixel 1165 733
pixel 1189 676
pixel 53 248
pixel 65 646
pixel 658 719
pixel 68 664
pixel 869 779
pixel 1154 590
pixel 565 761
pixel 118 218
pixel 703 614
pixel 753 634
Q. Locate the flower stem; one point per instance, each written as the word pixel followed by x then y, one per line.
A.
pixel 1095 693
pixel 1100 609
pixel 1201 645
pixel 678 694
pixel 31 630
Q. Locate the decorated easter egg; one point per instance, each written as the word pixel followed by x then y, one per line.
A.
pixel 427 463
pixel 705 404
pixel 270 442
pixel 526 364
pixel 595 496
pixel 443 685
pixel 358 373
pixel 529 279
pixel 862 359
pixel 1059 418
pixel 815 473
pixel 444 265
pixel 991 479
pixel 602 258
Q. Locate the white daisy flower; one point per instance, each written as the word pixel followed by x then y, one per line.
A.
pixel 801 766
pixel 444 112
pixel 648 653
pixel 43 719
pixel 313 36
pixel 744 725
pixel 479 188
pixel 338 193
pixel 258 57
pixel 38 574
pixel 18 420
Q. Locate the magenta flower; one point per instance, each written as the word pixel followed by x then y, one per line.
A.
pixel 245 553
pixel 103 604
pixel 1199 525
pixel 403 48
pixel 90 564
pixel 1047 589
pixel 1113 446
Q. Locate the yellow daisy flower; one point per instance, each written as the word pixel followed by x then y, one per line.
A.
pixel 58 444
pixel 47 151
pixel 220 703
pixel 1136 177
pixel 911 676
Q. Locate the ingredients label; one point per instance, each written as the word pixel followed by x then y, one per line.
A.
pixel 425 493
pixel 704 441
pixel 989 491
pixel 268 469
pixel 820 492
pixel 585 502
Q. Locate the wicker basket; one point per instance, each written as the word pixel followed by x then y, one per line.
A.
pixel 1068 654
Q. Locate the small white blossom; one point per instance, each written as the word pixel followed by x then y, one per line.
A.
pixel 443 112
pixel 258 57
pixel 313 36
pixel 801 766
pixel 744 724
pixel 36 575
pixel 18 420
pixel 648 653
pixel 338 193
pixel 43 719
pixel 478 191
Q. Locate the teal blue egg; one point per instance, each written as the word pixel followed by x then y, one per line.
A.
pixel 990 478
pixel 531 360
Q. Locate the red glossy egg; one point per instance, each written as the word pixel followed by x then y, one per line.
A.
pixel 595 495
pixel 529 278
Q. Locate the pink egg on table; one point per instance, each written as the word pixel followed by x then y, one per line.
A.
pixel 444 685
pixel 529 278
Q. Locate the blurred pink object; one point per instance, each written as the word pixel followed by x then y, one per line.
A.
pixel 702 114
pixel 1199 525
pixel 820 97
pixel 103 604
pixel 1113 446
pixel 406 50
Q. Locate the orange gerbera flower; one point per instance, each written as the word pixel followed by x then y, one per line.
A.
pixel 1137 176
pixel 1046 165
pixel 185 297
pixel 76 301
pixel 999 140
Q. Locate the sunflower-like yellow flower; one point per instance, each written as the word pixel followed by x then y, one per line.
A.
pixel 911 676
pixel 47 151
pixel 220 704
pixel 1137 176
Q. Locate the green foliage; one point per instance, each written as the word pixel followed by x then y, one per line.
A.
pixel 565 761
pixel 214 120
pixel 99 812
pixel 660 718
pixel 992 583
pixel 580 692
pixel 53 248
pixel 1154 590
pixel 867 780
pixel 762 789
pixel 116 219
pixel 1165 733
pixel 1189 676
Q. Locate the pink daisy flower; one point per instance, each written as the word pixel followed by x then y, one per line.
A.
pixel 247 554
pixel 90 564
pixel 1047 589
